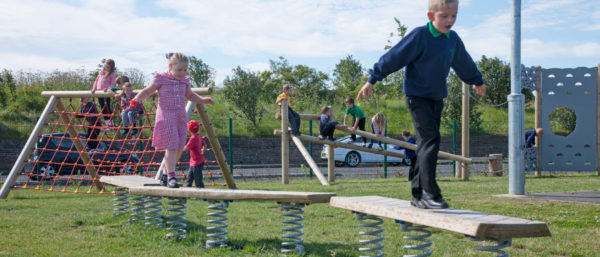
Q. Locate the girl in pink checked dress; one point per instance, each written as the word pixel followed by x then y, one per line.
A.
pixel 170 128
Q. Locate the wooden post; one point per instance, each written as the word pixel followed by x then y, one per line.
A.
pixel 216 146
pixel 598 124
pixel 26 151
pixel 495 165
pixel 313 165
pixel 331 163
pixel 538 120
pixel 85 158
pixel 464 174
pixel 285 144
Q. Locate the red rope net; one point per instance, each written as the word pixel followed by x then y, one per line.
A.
pixel 57 165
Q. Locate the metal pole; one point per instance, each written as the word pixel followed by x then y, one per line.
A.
pixel 454 146
pixel 310 173
pixel 516 118
pixel 230 148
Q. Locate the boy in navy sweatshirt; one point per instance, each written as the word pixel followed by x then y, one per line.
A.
pixel 428 52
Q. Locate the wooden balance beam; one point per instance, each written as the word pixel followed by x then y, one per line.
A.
pixel 478 225
pixel 101 93
pixel 292 205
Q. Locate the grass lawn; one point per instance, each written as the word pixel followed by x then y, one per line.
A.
pixel 35 223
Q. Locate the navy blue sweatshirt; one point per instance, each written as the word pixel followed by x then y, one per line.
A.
pixel 530 135
pixel 427 60
pixel 326 121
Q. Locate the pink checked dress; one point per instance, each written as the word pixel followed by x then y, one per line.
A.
pixel 170 128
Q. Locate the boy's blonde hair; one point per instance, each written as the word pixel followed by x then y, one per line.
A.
pixel 287 87
pixel 121 79
pixel 176 58
pixel 379 120
pixel 437 5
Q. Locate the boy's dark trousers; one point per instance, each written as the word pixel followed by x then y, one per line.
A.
pixel 195 175
pixel 328 131
pixel 426 116
pixel 411 170
pixel 361 126
pixel 294 120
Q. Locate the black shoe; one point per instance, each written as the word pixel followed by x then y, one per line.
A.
pixel 296 133
pixel 332 138
pixel 163 180
pixel 370 145
pixel 417 203
pixel 172 183
pixel 431 202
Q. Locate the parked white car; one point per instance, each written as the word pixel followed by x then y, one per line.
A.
pixel 353 158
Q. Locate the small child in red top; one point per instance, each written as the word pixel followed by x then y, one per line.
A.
pixel 196 146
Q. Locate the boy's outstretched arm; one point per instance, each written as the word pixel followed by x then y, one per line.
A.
pixel 365 92
pixel 480 90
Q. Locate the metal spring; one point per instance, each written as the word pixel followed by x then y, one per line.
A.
pixel 121 201
pixel 374 244
pixel 152 211
pixel 501 243
pixel 409 227
pixel 176 218
pixel 137 208
pixel 294 228
pixel 218 231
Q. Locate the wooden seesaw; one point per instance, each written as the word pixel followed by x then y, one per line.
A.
pixel 477 225
pixel 146 206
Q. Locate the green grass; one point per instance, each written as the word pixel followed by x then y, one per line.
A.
pixel 35 223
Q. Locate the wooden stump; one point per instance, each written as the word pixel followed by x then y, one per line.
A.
pixel 495 165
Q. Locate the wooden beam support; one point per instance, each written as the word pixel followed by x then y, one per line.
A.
pixel 465 151
pixel 285 143
pixel 342 145
pixel 403 144
pixel 331 164
pixel 86 93
pixel 216 146
pixel 28 148
pixel 311 162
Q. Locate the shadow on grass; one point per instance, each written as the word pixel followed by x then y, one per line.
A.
pixel 270 244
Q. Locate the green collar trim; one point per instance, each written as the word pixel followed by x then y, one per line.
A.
pixel 435 33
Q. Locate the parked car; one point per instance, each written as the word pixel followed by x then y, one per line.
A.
pixel 352 158
pixel 61 151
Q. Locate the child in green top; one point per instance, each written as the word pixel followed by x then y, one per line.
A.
pixel 358 118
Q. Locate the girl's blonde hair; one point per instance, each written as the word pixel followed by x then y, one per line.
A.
pixel 379 120
pixel 437 5
pixel 325 109
pixel 122 79
pixel 176 58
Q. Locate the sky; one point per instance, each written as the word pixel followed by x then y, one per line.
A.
pixel 67 34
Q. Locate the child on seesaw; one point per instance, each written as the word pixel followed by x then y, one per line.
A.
pixel 327 124
pixel 196 146
pixel 358 118
pixel 170 128
pixel 428 52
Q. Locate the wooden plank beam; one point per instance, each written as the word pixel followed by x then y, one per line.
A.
pixel 331 164
pixel 285 144
pixel 28 148
pixel 343 145
pixel 311 162
pixel 85 158
pixel 86 93
pixel 129 181
pixel 473 223
pixel 465 145
pixel 403 144
pixel 228 194
pixel 216 146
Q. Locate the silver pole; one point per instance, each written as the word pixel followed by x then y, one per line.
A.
pixel 516 119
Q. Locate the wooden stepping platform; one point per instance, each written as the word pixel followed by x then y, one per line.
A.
pixel 129 181
pixel 233 194
pixel 472 223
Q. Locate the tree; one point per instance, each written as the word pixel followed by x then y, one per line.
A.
pixel 200 72
pixel 453 105
pixel 243 90
pixel 394 82
pixel 136 77
pixel 496 75
pixel 347 75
